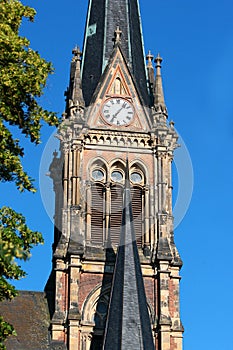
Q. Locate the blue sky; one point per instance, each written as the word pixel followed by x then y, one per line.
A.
pixel 195 39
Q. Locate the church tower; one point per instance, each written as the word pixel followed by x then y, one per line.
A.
pixel 116 151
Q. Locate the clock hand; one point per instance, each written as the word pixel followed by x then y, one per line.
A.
pixel 113 117
pixel 118 111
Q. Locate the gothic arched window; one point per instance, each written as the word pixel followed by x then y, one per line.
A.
pixel 107 202
pixel 98 173
pixel 94 314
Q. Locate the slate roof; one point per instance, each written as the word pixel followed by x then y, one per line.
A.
pixel 103 18
pixel 29 314
pixel 128 324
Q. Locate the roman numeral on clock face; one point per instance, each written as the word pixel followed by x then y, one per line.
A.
pixel 118 111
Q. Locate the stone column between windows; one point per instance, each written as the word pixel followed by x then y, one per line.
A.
pixel 85 342
pixel 65 177
pixel 170 188
pixel 58 206
pixel 74 313
pixel 154 206
pixel 75 176
pixel 152 216
pixel 70 173
pixel 147 218
pixel 58 330
pixel 177 333
pixel 164 317
pixel 159 184
pixel 164 183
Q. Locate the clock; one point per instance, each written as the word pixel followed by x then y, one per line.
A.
pixel 118 111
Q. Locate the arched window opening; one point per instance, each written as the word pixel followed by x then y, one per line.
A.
pixel 99 318
pixel 136 177
pixel 101 314
pixel 107 202
pixel 117 87
pixel 98 175
pixel 94 314
pixel 117 172
pixel 97 213
pixel 117 176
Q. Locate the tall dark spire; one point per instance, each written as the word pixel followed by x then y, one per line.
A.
pixel 128 324
pixel 104 17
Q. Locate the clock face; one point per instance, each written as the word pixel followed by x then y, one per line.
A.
pixel 118 111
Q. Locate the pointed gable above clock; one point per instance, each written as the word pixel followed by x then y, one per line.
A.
pixel 116 103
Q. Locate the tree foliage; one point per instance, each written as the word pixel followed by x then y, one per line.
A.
pixel 23 75
pixel 16 241
pixel 6 329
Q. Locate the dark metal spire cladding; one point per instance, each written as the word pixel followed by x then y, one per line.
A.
pixel 128 324
pixel 104 16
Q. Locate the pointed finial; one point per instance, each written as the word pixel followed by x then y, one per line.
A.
pixel 150 71
pixel 158 61
pixel 77 54
pixel 159 102
pixel 172 124
pixel 149 59
pixel 74 93
pixel 117 35
pixel 158 90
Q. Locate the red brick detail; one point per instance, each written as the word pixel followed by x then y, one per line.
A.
pixel 88 281
pixel 150 290
pixel 79 341
pixel 90 155
pixel 62 337
pixel 156 343
pixel 173 345
pixel 62 293
pixel 173 302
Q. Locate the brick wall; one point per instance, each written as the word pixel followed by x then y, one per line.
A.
pixel 88 281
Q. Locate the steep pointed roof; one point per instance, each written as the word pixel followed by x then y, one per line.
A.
pixel 158 90
pixel 128 324
pixel 74 93
pixel 104 17
pixel 158 95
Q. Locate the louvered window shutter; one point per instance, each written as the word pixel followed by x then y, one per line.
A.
pixel 97 211
pixel 137 208
pixel 116 213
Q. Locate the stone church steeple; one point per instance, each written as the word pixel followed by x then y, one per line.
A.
pixel 115 109
pixel 104 16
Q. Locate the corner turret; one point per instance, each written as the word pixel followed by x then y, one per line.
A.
pixel 74 95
